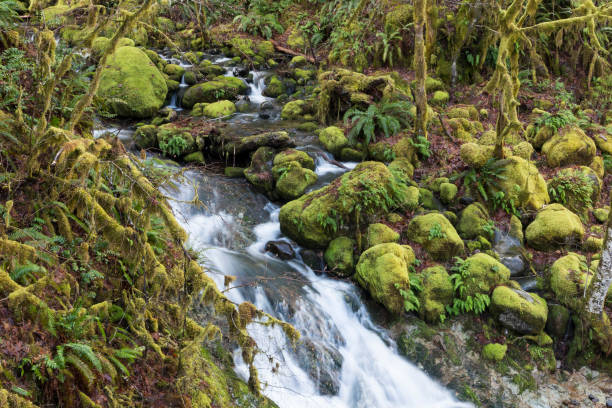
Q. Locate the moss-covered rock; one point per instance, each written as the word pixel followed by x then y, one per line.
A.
pixel 601 214
pixel 132 84
pixel 339 256
pixel 568 276
pixel 333 139
pixel 274 87
pixel 234 172
pixel 240 145
pixel 554 227
pixel 100 44
pixel 294 110
pixel 399 16
pixel 463 112
pixel 175 141
pixel 476 155
pixel 383 270
pixel 320 216
pixel 146 136
pixel 211 70
pixel 570 146
pixel 350 154
pixel 494 351
pixel 522 184
pixel 472 221
pixel 259 173
pixel 576 188
pixel 174 71
pixel 289 155
pixel 292 179
pixel 295 40
pixel 439 98
pixel 219 109
pixel 218 89
pixel 194 158
pixel 437 235
pixel 402 167
pixel 483 273
pixel 523 150
pixel 448 192
pixel 523 312
pixel 437 293
pixel 380 234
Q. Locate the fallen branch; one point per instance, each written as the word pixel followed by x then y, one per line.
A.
pixel 291 52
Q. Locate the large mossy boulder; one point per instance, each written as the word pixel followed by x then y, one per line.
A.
pixel 239 145
pixel 339 257
pixel 333 139
pixel 554 227
pixel 522 184
pixel 219 109
pixel 175 141
pixel 274 87
pixel 289 155
pixel 568 276
pixel 523 312
pixel 259 173
pixel 319 216
pixel 570 146
pixel 380 234
pixel 437 293
pixel 131 84
pixel 146 136
pixel 383 270
pixel 294 110
pixel 482 273
pixel 218 89
pixel 437 235
pixel 472 221
pixel 292 179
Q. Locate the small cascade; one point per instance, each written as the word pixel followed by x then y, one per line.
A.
pixel 175 98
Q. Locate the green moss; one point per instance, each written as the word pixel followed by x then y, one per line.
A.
pixel 298 61
pixel 402 166
pixel 472 221
pixel 175 72
pixel 234 172
pixel 518 310
pixel 242 47
pixel 399 16
pixel 523 150
pixel 522 183
pixel 554 227
pixel 448 192
pixel 601 214
pixel 295 40
pixel 381 270
pixel 294 110
pixel 427 200
pixel 439 98
pixel 100 44
pixel 299 156
pixel 437 293
pixel 274 87
pixel 146 136
pixel 333 139
pixel 132 84
pixel 292 179
pixel 219 109
pixel 441 247
pixel 259 173
pixel 494 351
pixel 339 256
pixel 195 157
pixel 485 272
pixel 476 155
pixel 463 112
pixel 570 146
pixel 568 276
pixel 380 234
pixel 218 89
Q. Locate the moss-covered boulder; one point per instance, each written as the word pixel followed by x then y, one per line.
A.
pixel 568 276
pixel 402 167
pixel 448 192
pixel 232 144
pixel 439 98
pixel 259 173
pixel 437 235
pixel 476 155
pixel 575 188
pixel 294 110
pixel 174 71
pixel 523 312
pixel 380 234
pixel 289 155
pixel 554 227
pixel 482 274
pixel 437 293
pixel 383 270
pixel 274 87
pixel 132 84
pixel 100 44
pixel 218 89
pixel 319 216
pixel 522 184
pixel 339 257
pixel 292 179
pixel 333 139
pixel 219 109
pixel 146 136
pixel 570 146
pixel 474 218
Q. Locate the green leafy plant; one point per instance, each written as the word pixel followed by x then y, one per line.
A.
pixel 411 300
pixel 390 42
pixel 436 232
pixel 573 189
pixel 506 202
pixel 422 145
pixel 386 117
pixel 484 179
pixel 464 302
pixel 175 146
pixel 259 24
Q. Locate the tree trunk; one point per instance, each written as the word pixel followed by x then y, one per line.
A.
pixel 600 283
pixel 420 66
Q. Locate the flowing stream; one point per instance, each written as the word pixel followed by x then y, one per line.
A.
pixel 344 359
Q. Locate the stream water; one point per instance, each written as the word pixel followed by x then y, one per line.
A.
pixel 344 358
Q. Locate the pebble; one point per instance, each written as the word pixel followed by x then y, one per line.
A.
pixel 593 398
pixel 609 403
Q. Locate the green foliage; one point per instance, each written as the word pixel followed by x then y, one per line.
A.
pixel 175 146
pixel 607 163
pixel 13 65
pixel 259 24
pixel 388 117
pixel 422 145
pixel 572 189
pixel 559 120
pixel 484 179
pixel 27 274
pixel 390 45
pixel 9 13
pixel 436 232
pixel 465 303
pixel 411 300
pixel 489 228
pixel 506 203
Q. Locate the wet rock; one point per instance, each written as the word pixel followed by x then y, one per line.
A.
pixel 515 263
pixel 241 72
pixel 339 257
pixel 266 106
pixel 313 259
pixel 323 364
pixel 609 402
pixel 518 310
pixel 235 145
pixel 557 321
pixel 282 249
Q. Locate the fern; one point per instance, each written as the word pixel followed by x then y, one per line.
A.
pixel 85 351
pixel 28 273
pixel 387 117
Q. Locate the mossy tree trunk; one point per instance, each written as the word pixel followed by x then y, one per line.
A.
pixel 420 66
